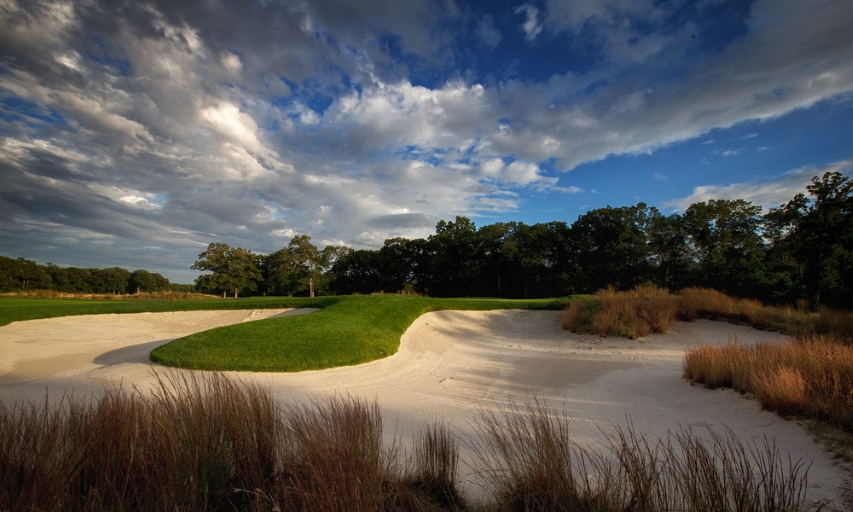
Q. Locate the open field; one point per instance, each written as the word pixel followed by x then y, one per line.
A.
pixel 451 366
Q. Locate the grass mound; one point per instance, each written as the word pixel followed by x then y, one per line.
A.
pixel 352 330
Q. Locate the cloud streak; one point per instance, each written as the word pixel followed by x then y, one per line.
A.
pixel 126 125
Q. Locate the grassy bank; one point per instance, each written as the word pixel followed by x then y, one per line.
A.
pixel 14 309
pixel 210 443
pixel 347 330
pixel 352 330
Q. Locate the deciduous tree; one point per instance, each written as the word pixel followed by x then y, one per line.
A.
pixel 232 268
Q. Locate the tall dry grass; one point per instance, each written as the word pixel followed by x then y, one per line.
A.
pixel 212 443
pixel 645 309
pixel 648 309
pixel 812 376
pixel 531 462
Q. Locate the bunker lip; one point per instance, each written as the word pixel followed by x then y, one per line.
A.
pixel 451 366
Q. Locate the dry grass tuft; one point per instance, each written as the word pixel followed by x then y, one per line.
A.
pixel 812 376
pixel 705 303
pixel 208 443
pixel 635 313
pixel 570 316
pixel 532 463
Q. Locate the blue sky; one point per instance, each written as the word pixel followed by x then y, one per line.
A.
pixel 135 133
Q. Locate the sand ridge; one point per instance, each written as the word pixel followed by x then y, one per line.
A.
pixel 451 366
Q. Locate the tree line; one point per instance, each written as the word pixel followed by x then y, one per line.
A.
pixel 20 274
pixel 800 251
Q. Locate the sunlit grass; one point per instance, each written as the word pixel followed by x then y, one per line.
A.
pixel 351 331
pixel 812 376
pixel 14 309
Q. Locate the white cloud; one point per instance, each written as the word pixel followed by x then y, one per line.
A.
pixel 767 194
pixel 232 62
pixel 191 137
pixel 531 26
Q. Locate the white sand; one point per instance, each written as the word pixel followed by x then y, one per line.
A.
pixel 451 366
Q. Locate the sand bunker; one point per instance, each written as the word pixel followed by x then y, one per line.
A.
pixel 451 366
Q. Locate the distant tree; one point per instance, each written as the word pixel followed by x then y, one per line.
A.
pixel 669 251
pixel 109 280
pixel 812 237
pixel 402 264
pixel 232 269
pixel 454 258
pixel 499 268
pixel 79 280
pixel 725 236
pixel 144 281
pixel 59 278
pixel 611 247
pixel 359 271
pixel 301 267
pixel 307 259
pixel 8 274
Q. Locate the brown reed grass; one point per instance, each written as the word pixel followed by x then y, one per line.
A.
pixel 812 376
pixel 207 443
pixel 635 313
pixel 531 462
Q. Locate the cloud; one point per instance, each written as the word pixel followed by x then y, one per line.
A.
pixel 768 193
pixel 531 26
pixel 488 35
pixel 130 124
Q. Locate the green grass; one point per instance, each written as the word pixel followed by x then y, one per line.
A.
pixel 15 309
pixel 347 330
pixel 350 331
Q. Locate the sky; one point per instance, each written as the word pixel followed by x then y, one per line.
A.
pixel 134 133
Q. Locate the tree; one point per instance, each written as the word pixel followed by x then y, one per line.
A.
pixel 611 247
pixel 725 238
pixel 113 280
pixel 280 275
pixel 669 251
pixel 300 267
pixel 233 269
pixel 454 258
pixel 22 274
pixel 359 271
pixel 401 264
pixel 144 281
pixel 814 235
pixel 307 259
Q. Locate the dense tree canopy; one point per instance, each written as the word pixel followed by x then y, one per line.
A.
pixel 22 274
pixel 234 269
pixel 800 251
